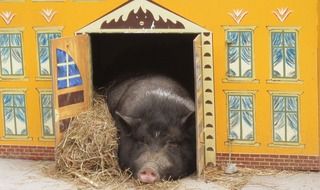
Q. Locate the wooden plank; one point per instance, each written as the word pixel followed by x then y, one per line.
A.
pixel 198 103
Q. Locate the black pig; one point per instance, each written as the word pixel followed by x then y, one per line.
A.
pixel 156 123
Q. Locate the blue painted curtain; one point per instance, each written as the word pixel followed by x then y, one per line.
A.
pixel 14 114
pixel 284 59
pixel 241 122
pixel 44 52
pixel 11 54
pixel 239 54
pixel 285 118
pixel 47 113
pixel 68 72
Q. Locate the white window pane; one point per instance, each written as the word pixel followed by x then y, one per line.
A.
pixel 292 127
pixel 234 102
pixel 290 39
pixel 246 103
pixel 44 61
pixel 277 62
pixel 234 124
pixel 278 103
pixel 290 62
pixel 47 122
pixel 5 61
pixel 15 40
pixel 4 40
pixel 292 104
pixel 247 125
pixel 233 38
pixel 43 39
pixel 276 39
pixel 246 38
pixel 279 126
pixel 234 63
pixel 9 121
pixel 16 61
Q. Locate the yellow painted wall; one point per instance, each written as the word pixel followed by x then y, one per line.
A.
pixel 212 15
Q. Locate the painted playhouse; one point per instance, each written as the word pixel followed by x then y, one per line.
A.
pixel 252 68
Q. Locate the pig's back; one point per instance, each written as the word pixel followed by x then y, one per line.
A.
pixel 146 92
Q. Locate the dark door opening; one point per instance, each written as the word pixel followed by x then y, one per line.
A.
pixel 116 55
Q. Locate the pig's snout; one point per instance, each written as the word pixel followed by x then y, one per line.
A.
pixel 148 175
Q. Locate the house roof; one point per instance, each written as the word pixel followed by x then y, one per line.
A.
pixel 141 16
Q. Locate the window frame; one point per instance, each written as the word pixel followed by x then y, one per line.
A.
pixel 241 93
pixel 45 30
pixel 20 32
pixel 298 112
pixel 297 68
pixel 41 93
pixel 17 92
pixel 240 29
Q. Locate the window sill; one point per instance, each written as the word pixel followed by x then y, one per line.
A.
pixel 14 78
pixel 240 80
pixel 286 145
pixel 47 139
pixel 242 143
pixel 284 81
pixel 42 78
pixel 16 138
pixel 48 0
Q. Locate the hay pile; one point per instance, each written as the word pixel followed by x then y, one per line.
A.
pixel 238 180
pixel 88 153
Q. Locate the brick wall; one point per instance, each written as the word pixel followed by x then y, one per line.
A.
pixel 282 162
pixel 27 152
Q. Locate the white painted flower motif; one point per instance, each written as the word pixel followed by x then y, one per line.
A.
pixel 48 14
pixel 238 14
pixel 7 16
pixel 282 13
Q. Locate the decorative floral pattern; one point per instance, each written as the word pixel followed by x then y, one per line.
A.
pixel 7 16
pixel 282 13
pixel 238 14
pixel 48 14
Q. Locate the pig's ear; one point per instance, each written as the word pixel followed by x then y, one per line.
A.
pixel 129 121
pixel 188 119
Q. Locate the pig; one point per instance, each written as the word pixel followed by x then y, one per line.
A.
pixel 155 118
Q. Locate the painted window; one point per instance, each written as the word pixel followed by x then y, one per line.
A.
pixel 285 118
pixel 11 54
pixel 47 115
pixel 241 119
pixel 44 51
pixel 14 114
pixel 239 54
pixel 68 72
pixel 284 54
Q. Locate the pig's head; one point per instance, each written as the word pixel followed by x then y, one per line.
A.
pixel 157 145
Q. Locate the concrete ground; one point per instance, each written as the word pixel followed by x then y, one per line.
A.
pixel 28 175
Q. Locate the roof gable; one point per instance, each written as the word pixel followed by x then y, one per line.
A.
pixel 141 15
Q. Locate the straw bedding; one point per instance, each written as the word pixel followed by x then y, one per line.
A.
pixel 88 152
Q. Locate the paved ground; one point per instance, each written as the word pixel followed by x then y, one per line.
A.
pixel 28 175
